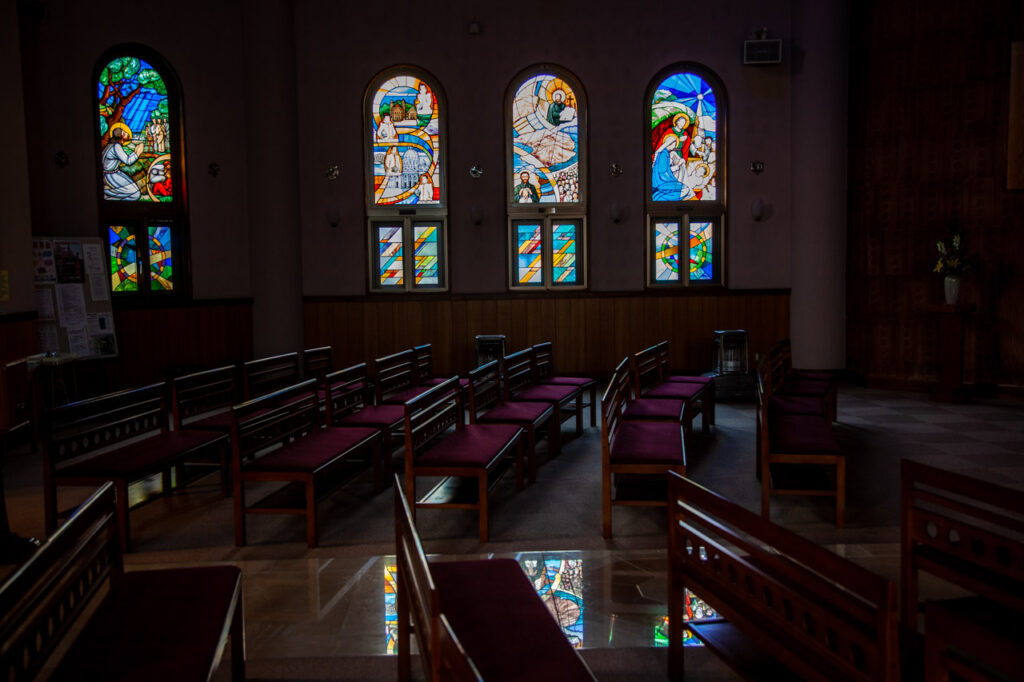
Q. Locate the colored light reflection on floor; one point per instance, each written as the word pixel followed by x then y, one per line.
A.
pixel 696 610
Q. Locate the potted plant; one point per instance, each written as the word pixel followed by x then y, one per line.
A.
pixel 952 264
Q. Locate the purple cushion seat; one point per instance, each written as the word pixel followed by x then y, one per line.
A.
pixel 648 443
pixel 676 389
pixel 309 453
pixel 481 598
pixel 380 416
pixel 214 422
pixel 155 625
pixel 581 382
pixel 434 381
pixel 655 408
pixel 476 445
pixel 550 393
pixel 150 454
pixel 516 413
pixel 686 379
pixel 796 404
pixel 798 434
pixel 805 387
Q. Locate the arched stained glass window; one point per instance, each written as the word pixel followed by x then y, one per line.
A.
pixel 685 144
pixel 406 182
pixel 546 182
pixel 139 147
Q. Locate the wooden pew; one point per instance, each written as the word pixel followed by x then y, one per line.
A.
pixel 519 381
pixel 631 448
pixel 266 375
pixel 787 381
pixel 650 381
pixel 278 438
pixel 706 397
pixel 396 377
pixel 166 624
pixel 474 620
pixel 474 451
pixel 544 362
pixel 349 395
pixel 203 400
pixel 967 532
pixel 791 609
pixel 317 362
pixel 122 437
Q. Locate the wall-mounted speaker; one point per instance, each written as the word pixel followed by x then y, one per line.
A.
pixel 766 51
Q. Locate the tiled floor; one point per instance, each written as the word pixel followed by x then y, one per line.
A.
pixel 332 602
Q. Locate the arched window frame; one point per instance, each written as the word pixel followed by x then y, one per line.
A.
pixel 137 216
pixel 682 213
pixel 407 217
pixel 547 215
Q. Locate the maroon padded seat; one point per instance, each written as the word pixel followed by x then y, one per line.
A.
pixel 520 413
pixel 141 455
pixel 546 393
pixel 685 379
pixel 155 625
pixel 313 451
pixel 380 416
pixel 798 434
pixel 676 389
pixel 581 382
pixel 476 445
pixel 796 404
pixel 664 409
pixel 484 597
pixel 648 443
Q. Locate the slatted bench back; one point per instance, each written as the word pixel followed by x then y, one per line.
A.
pixel 819 614
pixel 646 369
pixel 347 391
pixel 194 395
pixel 270 374
pixel 316 362
pixel 86 426
pixel 423 356
pixel 276 418
pixel 394 373
pixel 518 372
pixel 543 361
pixel 664 360
pixel 614 401
pixel 16 399
pixel 430 414
pixel 484 389
pixel 964 530
pixel 41 601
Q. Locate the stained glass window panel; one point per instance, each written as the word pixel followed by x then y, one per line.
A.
pixel 390 255
pixel 529 259
pixel 701 251
pixel 124 259
pixel 426 254
pixel 684 140
pixel 404 124
pixel 558 580
pixel 391 608
pixel 666 251
pixel 545 142
pixel 161 269
pixel 563 253
pixel 135 132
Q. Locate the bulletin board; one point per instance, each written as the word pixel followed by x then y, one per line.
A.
pixel 72 284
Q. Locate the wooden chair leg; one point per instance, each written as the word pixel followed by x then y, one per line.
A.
pixel 579 415
pixel 593 405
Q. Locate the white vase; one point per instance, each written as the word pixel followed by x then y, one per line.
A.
pixel 952 287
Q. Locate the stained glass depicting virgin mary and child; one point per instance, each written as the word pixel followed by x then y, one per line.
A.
pixel 684 140
pixel 135 132
pixel 545 142
pixel 404 130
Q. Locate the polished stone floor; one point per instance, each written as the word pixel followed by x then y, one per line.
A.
pixel 320 609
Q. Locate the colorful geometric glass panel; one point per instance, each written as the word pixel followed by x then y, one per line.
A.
pixel 666 251
pixel 684 140
pixel 404 133
pixel 529 249
pixel 124 259
pixel 545 142
pixel 701 251
pixel 391 608
pixel 563 253
pixel 426 254
pixel 161 269
pixel 558 579
pixel 135 132
pixel 390 255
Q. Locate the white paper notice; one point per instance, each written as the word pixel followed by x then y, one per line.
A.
pixel 93 254
pixel 99 323
pixel 44 304
pixel 48 338
pixel 78 341
pixel 71 305
pixel 99 286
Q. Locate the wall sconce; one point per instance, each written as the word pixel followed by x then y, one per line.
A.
pixel 476 170
pixel 757 167
pixel 616 170
pixel 61 159
pixel 213 169
pixel 332 172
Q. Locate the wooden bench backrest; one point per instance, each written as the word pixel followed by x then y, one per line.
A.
pixel 423 356
pixel 430 414
pixel 646 369
pixel 454 664
pixel 819 614
pixel 203 392
pixel 16 407
pixel 544 360
pixel 88 425
pixel 967 531
pixel 518 372
pixel 484 389
pixel 395 372
pixel 267 375
pixel 316 362
pixel 41 600
pixel 614 401
pixel 347 390
pixel 276 418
